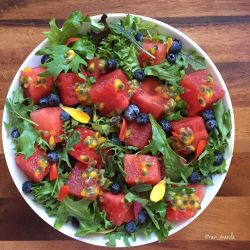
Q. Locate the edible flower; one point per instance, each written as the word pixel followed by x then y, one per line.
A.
pixel 158 191
pixel 76 114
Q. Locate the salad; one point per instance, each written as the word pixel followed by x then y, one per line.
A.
pixel 119 129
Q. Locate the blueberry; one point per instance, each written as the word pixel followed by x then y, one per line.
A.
pixel 194 177
pixel 75 222
pixel 207 115
pixel 166 125
pixel 44 59
pixel 142 217
pixel 138 36
pixel 131 112
pixel 218 158
pixel 130 227
pixel 89 111
pixel 64 116
pixel 139 75
pixel 171 58
pixel 27 187
pixel 142 118
pixel 116 140
pixel 115 188
pixel 53 100
pixel 111 64
pixel 211 125
pixel 176 46
pixel 53 156
pixel 43 102
pixel 15 133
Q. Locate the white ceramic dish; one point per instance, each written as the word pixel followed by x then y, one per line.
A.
pixel 19 177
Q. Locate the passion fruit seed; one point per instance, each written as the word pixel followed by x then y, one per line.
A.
pixel 69 55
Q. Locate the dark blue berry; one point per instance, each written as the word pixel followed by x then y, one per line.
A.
pixel 53 156
pixel 176 46
pixel 43 102
pixel 171 58
pixel 142 217
pixel 139 36
pixel 115 188
pixel 44 59
pixel 211 125
pixel 130 227
pixel 194 178
pixel 64 116
pixel 166 125
pixel 15 133
pixel 218 159
pixel 75 222
pixel 89 111
pixel 111 64
pixel 207 115
pixel 142 118
pixel 53 100
pixel 131 112
pixel 139 75
pixel 27 187
pixel 116 140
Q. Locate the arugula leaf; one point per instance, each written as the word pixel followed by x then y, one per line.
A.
pixel 166 72
pixel 129 34
pixel 140 188
pixel 159 144
pixel 70 143
pixel 71 28
pixel 58 60
pixel 25 143
pixel 19 109
pixel 190 57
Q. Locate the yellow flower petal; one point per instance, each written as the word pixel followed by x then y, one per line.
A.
pixel 158 191
pixel 76 114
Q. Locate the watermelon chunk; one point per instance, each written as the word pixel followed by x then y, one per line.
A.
pixel 34 85
pixel 151 97
pixel 83 181
pixel 142 169
pixel 110 92
pixel 118 211
pixel 66 87
pixel 138 135
pixel 200 92
pixel 36 167
pixel 175 214
pixel 49 122
pixel 86 153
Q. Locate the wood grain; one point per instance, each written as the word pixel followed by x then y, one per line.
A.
pixel 221 28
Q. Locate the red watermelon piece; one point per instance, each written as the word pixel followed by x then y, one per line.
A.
pixel 118 211
pixel 142 169
pixel 36 167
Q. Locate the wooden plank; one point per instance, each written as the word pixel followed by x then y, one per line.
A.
pixel 216 220
pixel 46 9
pixel 170 245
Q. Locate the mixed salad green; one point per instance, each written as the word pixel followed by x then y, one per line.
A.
pixel 119 129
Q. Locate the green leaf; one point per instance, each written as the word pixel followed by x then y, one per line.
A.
pixel 141 188
pixel 170 73
pixel 84 47
pixel 129 34
pixel 26 141
pixel 172 162
pixel 58 62
pixel 71 28
pixel 186 58
pixel 132 197
pixel 70 143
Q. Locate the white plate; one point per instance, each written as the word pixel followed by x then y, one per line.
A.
pixel 18 176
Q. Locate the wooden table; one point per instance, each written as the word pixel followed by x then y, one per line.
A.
pixel 222 29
